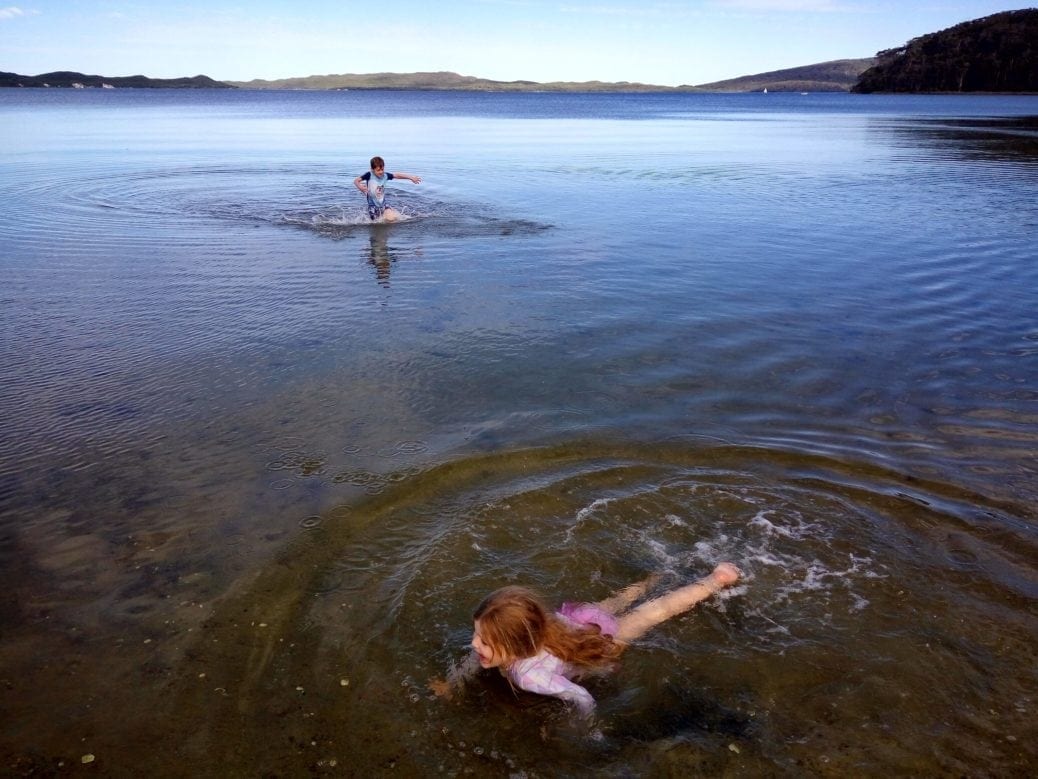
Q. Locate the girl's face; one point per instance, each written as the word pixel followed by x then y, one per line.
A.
pixel 488 656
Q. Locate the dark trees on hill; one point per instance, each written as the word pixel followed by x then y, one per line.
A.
pixel 998 53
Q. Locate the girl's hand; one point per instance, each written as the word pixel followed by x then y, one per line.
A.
pixel 585 729
pixel 441 688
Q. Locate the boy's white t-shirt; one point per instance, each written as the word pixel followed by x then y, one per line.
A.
pixel 377 186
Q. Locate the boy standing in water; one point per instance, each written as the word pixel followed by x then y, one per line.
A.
pixel 373 185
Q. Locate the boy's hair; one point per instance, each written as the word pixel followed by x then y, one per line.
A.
pixel 515 622
pixel 377 162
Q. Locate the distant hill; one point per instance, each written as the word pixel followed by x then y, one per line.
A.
pixel 834 76
pixel 997 53
pixel 67 78
pixel 443 80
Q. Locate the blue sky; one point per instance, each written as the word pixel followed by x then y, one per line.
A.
pixel 666 42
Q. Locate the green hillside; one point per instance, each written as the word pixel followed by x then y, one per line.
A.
pixel 443 80
pixel 68 78
pixel 834 76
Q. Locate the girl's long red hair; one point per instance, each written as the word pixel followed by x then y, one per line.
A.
pixel 516 623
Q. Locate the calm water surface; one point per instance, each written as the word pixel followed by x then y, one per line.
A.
pixel 259 460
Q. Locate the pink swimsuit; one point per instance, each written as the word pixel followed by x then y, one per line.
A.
pixel 546 674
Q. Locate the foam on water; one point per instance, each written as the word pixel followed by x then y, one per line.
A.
pixel 343 220
pixel 777 546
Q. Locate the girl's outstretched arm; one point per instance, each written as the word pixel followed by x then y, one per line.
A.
pixel 651 613
pixel 457 676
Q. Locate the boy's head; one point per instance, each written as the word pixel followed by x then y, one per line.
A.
pixel 377 163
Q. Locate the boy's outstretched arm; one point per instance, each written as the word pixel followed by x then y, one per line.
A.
pixel 409 177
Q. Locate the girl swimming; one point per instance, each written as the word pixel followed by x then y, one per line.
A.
pixel 542 652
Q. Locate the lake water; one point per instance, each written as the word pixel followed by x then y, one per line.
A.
pixel 259 460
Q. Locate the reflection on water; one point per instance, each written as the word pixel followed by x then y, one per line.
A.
pixel 998 139
pixel 383 256
pixel 249 498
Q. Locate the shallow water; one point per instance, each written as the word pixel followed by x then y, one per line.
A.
pixel 260 459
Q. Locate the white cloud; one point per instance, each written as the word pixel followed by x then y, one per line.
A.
pixel 13 12
pixel 784 5
pixel 603 10
pixel 660 10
